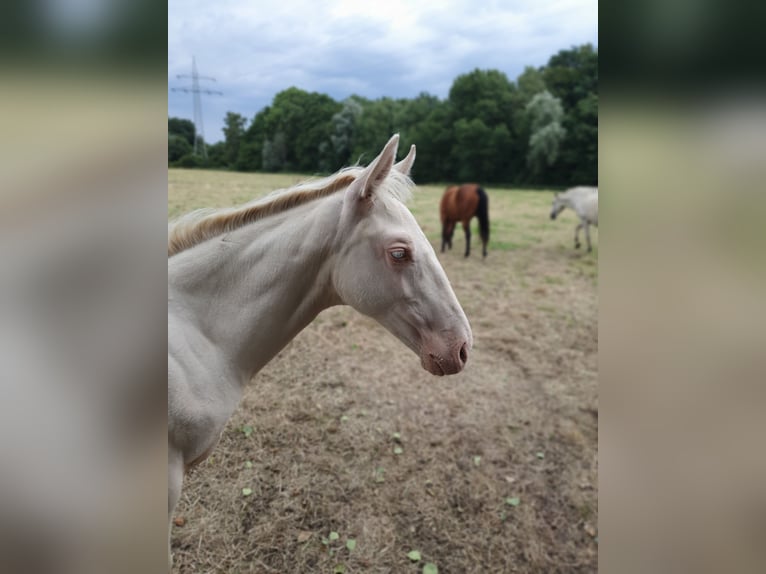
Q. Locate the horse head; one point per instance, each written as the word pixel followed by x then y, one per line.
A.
pixel 557 207
pixel 387 269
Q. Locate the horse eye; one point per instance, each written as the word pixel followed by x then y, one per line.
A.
pixel 398 254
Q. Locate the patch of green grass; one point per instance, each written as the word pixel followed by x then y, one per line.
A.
pixel 551 280
pixel 548 309
pixel 498 225
pixel 541 226
pixel 507 245
pixel 585 511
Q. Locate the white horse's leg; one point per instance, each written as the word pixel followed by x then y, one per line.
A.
pixel 587 236
pixel 175 480
pixel 577 235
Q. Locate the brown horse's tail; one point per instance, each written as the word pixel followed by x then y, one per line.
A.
pixel 482 212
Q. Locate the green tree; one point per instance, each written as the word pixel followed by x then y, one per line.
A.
pixel 434 139
pixel 233 131
pixel 374 127
pixel 515 168
pixel 572 75
pixel 409 115
pixel 177 147
pixel 483 105
pixel 545 118
pixel 530 83
pixel 304 119
pixel 250 157
pixel 275 153
pixel 483 94
pixel 501 142
pixel 580 152
pixel 472 150
pixel 487 130
pixel 183 128
pixel 336 152
pixel 216 156
pixel 190 161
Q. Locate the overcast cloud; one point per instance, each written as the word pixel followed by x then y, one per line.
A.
pixel 394 48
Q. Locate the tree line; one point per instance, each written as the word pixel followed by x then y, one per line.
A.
pixel 541 129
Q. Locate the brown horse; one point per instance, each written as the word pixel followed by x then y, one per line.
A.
pixel 461 203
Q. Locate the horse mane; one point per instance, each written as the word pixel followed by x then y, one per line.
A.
pixel 204 224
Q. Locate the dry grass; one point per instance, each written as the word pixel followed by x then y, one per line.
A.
pixel 321 455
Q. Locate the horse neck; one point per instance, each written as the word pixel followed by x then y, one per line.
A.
pixel 577 194
pixel 251 291
pixel 567 200
pixel 574 199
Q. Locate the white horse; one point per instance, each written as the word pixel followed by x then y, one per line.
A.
pixel 584 201
pixel 243 282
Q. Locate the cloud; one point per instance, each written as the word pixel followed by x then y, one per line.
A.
pixel 256 49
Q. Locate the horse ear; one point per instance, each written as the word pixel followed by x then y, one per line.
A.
pixel 375 174
pixel 405 165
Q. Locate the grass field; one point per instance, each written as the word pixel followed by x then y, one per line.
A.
pixel 492 470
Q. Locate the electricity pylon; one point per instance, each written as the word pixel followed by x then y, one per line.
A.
pixel 195 90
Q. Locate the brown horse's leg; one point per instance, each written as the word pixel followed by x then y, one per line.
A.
pixel 467 228
pixel 447 230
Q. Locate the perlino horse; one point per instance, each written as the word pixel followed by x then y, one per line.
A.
pixel 584 201
pixel 243 282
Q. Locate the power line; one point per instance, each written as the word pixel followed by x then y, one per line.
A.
pixel 196 91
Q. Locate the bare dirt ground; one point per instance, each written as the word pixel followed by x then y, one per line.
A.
pixel 492 470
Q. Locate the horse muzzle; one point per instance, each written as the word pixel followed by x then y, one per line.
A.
pixel 448 361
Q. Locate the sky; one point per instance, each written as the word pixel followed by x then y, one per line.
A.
pixel 373 48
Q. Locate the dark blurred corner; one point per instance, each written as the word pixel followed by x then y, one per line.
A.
pixel 682 166
pixel 685 48
pixel 83 402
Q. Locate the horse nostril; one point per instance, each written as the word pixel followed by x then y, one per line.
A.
pixel 463 354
